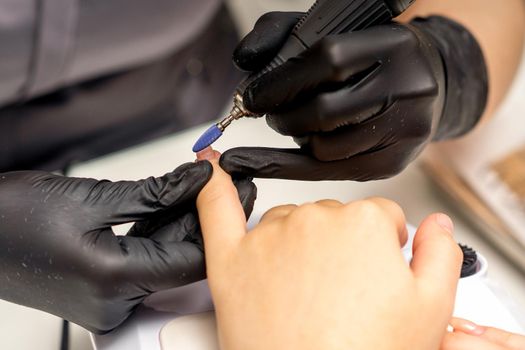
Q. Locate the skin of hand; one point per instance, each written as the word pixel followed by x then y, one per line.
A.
pixel 59 254
pixel 326 275
pixel 361 105
pixel 467 336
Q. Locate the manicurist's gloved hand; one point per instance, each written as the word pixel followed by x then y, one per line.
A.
pixel 361 105
pixel 58 252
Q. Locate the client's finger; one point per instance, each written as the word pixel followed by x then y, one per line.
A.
pixel 504 339
pixel 221 215
pixel 331 203
pixel 462 341
pixel 277 212
pixel 396 213
pixel 497 337
pixel 437 259
pixel 208 154
pixel 465 326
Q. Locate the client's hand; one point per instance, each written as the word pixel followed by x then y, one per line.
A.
pixel 468 336
pixel 326 275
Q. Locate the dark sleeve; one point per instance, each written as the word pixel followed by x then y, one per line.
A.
pixel 17 26
pixel 51 44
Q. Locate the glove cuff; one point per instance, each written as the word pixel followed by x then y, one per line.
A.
pixel 465 72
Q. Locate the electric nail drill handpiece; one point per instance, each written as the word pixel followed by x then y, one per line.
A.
pixel 325 17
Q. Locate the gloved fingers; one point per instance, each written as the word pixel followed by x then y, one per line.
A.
pixel 295 164
pixel 275 90
pixel 185 229
pixel 126 201
pixel 333 62
pixel 380 132
pixel 347 142
pixel 247 195
pixel 264 162
pixel 155 265
pixel 263 43
pixel 171 226
pixel 328 111
pixel 122 271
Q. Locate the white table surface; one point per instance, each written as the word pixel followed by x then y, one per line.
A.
pixel 412 190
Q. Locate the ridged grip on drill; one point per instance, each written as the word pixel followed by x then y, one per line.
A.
pixel 399 6
pixel 276 62
pixel 336 17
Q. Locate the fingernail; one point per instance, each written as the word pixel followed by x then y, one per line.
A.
pixel 206 154
pixel 445 222
pixel 469 327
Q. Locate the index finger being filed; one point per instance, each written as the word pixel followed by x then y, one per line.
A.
pixel 221 215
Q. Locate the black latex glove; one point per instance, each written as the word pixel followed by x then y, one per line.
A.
pixel 361 105
pixel 58 252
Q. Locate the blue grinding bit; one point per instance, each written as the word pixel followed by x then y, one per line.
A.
pixel 215 131
pixel 209 137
